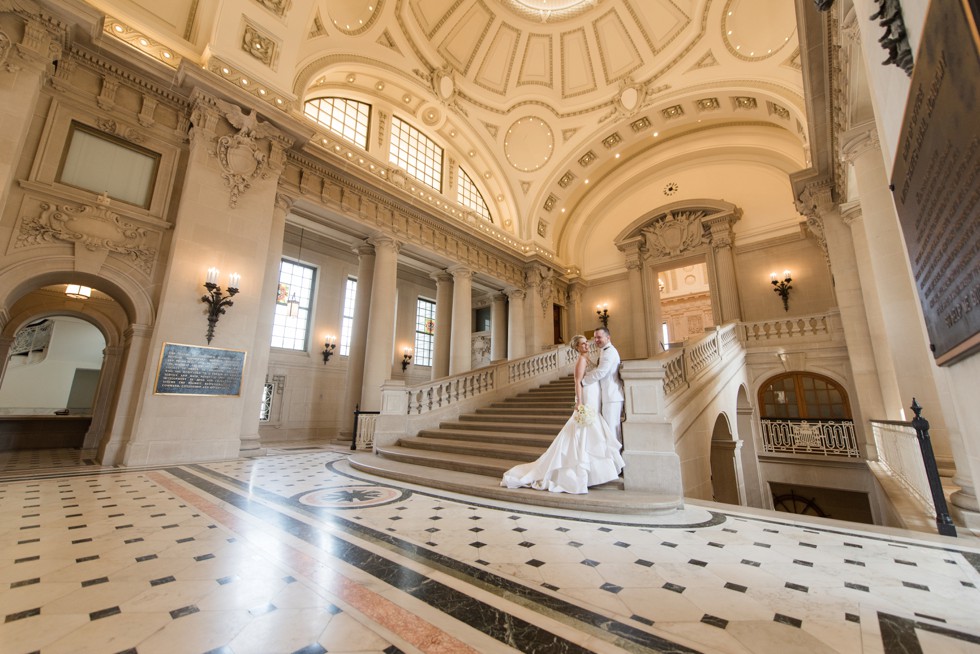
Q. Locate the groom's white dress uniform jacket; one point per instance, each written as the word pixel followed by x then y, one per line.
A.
pixel 611 396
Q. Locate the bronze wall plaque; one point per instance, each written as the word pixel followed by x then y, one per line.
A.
pixel 194 370
pixel 936 179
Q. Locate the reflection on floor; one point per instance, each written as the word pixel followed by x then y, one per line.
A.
pixel 295 552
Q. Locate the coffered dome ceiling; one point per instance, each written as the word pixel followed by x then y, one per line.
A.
pixel 540 101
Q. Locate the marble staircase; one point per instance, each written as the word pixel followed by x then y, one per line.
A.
pixel 470 454
pixel 494 438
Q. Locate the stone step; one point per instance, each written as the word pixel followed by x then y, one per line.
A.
pixel 550 412
pixel 541 441
pixel 531 404
pixel 478 465
pixel 556 421
pixel 491 427
pixel 607 498
pixel 490 450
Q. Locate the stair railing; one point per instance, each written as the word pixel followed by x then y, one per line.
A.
pixel 406 410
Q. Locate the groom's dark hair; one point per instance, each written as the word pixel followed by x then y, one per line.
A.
pixel 604 329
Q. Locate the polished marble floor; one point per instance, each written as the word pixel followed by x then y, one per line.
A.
pixel 295 552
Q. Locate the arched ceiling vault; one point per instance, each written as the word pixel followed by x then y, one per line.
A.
pixel 531 96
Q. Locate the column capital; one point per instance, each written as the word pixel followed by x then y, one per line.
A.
pixel 363 249
pixel 515 294
pixel 460 273
pixel 816 199
pixel 284 203
pixel 441 277
pixel 499 297
pixel 851 213
pixel 859 141
pixel 384 242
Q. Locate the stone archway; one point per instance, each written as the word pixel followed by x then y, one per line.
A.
pixel 680 233
pixel 31 292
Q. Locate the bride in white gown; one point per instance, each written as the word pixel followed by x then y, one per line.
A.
pixel 585 452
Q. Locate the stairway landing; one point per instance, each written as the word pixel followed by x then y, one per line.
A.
pixel 469 455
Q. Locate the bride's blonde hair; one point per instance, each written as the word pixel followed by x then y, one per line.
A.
pixel 578 338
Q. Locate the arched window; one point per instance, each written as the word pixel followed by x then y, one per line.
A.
pixel 346 118
pixel 469 196
pixel 803 395
pixel 416 153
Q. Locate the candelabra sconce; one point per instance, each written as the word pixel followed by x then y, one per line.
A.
pixel 602 310
pixel 216 300
pixel 329 345
pixel 782 287
pixel 406 359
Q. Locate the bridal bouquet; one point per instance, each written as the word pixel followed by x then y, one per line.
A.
pixel 584 415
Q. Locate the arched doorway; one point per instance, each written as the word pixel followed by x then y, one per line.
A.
pixel 70 367
pixel 49 384
pixel 806 413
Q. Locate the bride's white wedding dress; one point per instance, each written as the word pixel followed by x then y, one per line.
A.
pixel 579 457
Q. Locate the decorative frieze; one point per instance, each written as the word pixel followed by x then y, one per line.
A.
pixel 93 227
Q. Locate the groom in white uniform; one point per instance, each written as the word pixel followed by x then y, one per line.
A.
pixel 606 373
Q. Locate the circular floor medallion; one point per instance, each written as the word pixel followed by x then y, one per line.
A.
pixel 351 497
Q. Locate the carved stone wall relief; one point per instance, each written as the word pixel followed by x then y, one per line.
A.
pixel 674 233
pixel 93 227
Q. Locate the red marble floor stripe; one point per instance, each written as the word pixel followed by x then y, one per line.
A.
pixel 423 635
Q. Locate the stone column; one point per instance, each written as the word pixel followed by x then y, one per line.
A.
pixel 381 324
pixel 917 374
pixel 359 328
pixel 112 357
pixel 887 380
pixel 724 268
pixel 638 301
pixel 575 293
pixel 516 341
pixel 823 218
pixel 22 74
pixel 538 304
pixel 654 313
pixel 259 359
pixel 444 324
pixel 5 343
pixel 461 335
pixel 224 219
pixel 498 327
pixel 122 421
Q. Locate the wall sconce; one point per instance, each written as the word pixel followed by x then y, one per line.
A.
pixel 782 288
pixel 602 311
pixel 216 300
pixel 329 345
pixel 78 292
pixel 406 358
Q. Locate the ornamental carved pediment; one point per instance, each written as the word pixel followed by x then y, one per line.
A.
pixel 92 227
pixel 674 233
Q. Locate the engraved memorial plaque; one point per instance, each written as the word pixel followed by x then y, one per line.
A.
pixel 936 179
pixel 194 370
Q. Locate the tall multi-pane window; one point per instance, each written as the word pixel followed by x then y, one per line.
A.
pixel 425 328
pixel 348 118
pixel 347 321
pixel 470 196
pixel 416 153
pixel 294 299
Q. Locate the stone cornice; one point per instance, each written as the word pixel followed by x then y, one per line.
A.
pixel 96 61
pixel 405 221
